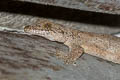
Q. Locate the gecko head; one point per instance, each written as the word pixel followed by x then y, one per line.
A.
pixel 46 29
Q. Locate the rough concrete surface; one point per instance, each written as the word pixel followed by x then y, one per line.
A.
pixel 31 57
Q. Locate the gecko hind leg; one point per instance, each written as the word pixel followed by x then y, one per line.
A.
pixel 74 53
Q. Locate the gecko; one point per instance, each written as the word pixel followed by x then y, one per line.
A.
pixel 104 46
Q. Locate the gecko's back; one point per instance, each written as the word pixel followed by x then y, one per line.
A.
pixel 101 45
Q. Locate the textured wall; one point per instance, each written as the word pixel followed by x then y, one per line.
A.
pixel 30 57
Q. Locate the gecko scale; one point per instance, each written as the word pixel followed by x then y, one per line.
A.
pixel 100 45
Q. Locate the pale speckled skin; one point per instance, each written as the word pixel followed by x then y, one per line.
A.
pixel 100 45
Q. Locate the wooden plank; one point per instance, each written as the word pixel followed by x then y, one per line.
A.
pixel 31 57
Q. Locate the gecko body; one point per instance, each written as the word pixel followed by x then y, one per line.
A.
pixel 100 45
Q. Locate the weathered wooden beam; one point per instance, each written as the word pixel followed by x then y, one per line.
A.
pixel 31 57
pixel 101 6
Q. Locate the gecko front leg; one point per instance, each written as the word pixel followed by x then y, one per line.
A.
pixel 75 51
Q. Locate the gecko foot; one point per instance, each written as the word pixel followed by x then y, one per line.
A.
pixel 65 57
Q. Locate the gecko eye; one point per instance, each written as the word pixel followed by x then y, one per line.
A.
pixel 47 26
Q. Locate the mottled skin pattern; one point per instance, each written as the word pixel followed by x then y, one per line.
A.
pixel 99 45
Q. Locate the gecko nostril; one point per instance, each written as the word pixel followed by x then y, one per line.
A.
pixel 26 27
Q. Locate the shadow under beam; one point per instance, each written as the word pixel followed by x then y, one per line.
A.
pixel 56 12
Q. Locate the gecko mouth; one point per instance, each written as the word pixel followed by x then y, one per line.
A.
pixel 35 30
pixel 42 33
pixel 38 32
pixel 45 34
